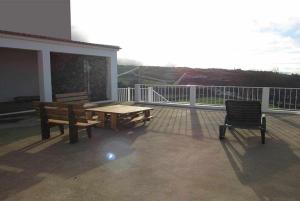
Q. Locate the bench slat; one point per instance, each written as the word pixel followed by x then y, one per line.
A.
pixel 70 99
pixel 87 124
pixel 57 121
pixel 64 95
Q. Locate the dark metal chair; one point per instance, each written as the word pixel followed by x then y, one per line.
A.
pixel 244 114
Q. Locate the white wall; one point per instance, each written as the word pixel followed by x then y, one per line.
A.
pixel 18 73
pixel 38 17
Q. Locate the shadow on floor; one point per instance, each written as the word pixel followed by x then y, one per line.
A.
pixel 264 167
pixel 287 120
pixel 25 167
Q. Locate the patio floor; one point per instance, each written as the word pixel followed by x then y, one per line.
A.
pixel 177 156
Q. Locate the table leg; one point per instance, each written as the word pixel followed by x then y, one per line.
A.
pixel 147 113
pixel 113 123
pixel 101 119
pixel 89 115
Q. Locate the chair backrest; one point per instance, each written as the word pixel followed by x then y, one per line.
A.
pixel 76 97
pixel 243 112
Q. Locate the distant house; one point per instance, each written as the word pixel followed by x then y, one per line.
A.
pixel 39 59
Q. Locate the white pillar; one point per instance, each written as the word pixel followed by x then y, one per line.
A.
pixel 150 94
pixel 128 94
pixel 265 99
pixel 44 68
pixel 192 95
pixel 137 92
pixel 112 78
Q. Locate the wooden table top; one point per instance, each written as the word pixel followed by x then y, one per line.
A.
pixel 119 109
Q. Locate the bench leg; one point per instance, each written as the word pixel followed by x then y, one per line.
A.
pixel 73 134
pixel 89 132
pixel 61 129
pixel 45 128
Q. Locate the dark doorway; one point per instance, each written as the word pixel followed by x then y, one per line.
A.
pixel 77 73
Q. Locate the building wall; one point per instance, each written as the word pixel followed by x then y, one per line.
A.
pixel 38 17
pixel 19 73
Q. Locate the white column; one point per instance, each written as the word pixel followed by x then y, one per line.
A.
pixel 192 95
pixel 150 94
pixel 128 95
pixel 44 68
pixel 112 78
pixel 137 92
pixel 265 99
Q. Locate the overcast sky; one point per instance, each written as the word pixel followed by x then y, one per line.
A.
pixel 253 34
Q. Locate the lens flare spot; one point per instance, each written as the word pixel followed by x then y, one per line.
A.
pixel 110 156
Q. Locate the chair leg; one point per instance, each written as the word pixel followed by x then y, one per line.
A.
pixel 89 132
pixel 264 123
pixel 222 130
pixel 263 129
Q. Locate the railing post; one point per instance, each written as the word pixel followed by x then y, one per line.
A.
pixel 128 95
pixel 265 99
pixel 193 95
pixel 150 94
pixel 137 92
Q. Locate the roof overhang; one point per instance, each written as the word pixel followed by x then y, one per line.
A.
pixel 35 42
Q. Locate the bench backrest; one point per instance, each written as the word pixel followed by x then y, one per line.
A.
pixel 243 112
pixel 76 97
pixel 62 111
pixel 54 110
pixel 77 113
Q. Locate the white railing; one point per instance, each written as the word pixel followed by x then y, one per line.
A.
pixel 125 94
pixel 159 98
pixel 205 95
pixel 285 99
pixel 216 95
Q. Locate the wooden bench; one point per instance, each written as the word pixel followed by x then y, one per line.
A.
pixel 121 115
pixel 244 114
pixel 135 118
pixel 61 114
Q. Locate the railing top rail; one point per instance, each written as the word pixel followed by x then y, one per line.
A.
pixel 232 86
pixel 151 85
pixel 284 88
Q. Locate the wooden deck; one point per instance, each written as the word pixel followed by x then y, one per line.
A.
pixel 177 156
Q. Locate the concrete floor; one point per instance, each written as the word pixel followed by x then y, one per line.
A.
pixel 177 156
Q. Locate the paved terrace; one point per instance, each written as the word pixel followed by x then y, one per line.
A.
pixel 178 156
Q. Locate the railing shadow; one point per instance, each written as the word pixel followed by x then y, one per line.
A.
pixel 197 132
pixel 287 121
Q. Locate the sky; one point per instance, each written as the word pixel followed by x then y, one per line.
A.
pixel 231 34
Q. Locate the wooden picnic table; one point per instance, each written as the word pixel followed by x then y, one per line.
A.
pixel 117 112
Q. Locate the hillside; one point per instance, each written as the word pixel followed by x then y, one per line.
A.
pixel 196 76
